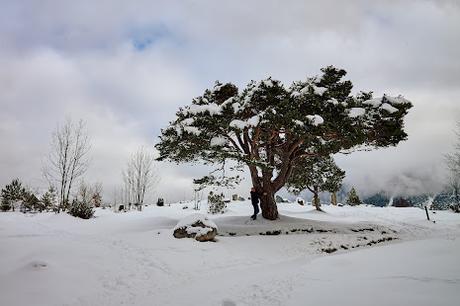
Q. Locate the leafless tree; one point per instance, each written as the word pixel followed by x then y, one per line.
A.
pixel 139 176
pixel 96 190
pixel 68 159
pixel 453 166
pixel 84 193
pixel 90 193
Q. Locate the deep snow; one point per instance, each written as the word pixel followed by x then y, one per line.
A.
pixel 132 258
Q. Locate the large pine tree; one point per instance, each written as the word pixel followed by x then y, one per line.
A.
pixel 271 127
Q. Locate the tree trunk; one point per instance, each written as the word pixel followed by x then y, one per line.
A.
pixel 334 198
pixel 316 201
pixel 266 191
pixel 268 204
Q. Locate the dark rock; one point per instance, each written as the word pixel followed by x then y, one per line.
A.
pixel 194 230
pixel 329 250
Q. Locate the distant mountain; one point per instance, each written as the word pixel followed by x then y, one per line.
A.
pixel 441 201
pixel 377 200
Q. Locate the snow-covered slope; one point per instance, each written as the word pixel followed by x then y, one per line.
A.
pixel 306 257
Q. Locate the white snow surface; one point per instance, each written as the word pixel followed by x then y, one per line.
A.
pixel 318 90
pixel 356 112
pixel 133 259
pixel 397 100
pixel 192 219
pixel 218 141
pixel 238 124
pixel 315 119
pixel 212 108
pixel 374 102
pixel 192 129
pixel 388 108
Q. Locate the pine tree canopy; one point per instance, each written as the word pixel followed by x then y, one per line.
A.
pixel 13 191
pixel 271 127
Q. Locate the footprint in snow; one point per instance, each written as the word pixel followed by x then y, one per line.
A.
pixel 37 265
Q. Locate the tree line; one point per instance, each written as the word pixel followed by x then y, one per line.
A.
pixel 64 170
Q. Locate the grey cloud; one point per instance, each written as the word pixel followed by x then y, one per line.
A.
pixel 79 58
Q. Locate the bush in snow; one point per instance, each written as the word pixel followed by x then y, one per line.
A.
pixel 49 199
pixel 196 226
pixel 31 203
pixel 81 209
pixel 401 202
pixel 353 198
pixel 216 204
pixel 5 205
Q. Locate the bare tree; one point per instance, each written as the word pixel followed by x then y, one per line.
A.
pixel 139 176
pixel 84 193
pixel 68 158
pixel 453 166
pixel 90 193
pixel 96 190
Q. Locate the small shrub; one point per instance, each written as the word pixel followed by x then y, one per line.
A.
pixel 5 205
pixel 216 204
pixel 81 209
pixel 353 198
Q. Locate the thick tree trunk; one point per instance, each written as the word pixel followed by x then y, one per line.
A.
pixel 266 190
pixel 268 204
pixel 334 198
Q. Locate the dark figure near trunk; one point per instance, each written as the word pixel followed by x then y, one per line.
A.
pixel 255 202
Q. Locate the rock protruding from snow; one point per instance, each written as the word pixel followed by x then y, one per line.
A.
pixel 196 226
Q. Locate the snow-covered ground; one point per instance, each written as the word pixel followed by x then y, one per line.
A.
pixel 344 256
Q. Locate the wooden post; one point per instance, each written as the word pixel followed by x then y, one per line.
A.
pixel 427 215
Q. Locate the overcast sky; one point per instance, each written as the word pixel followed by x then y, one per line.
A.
pixel 126 66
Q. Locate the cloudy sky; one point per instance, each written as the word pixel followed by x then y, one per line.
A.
pixel 126 66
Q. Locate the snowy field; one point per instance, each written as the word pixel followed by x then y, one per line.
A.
pixel 344 256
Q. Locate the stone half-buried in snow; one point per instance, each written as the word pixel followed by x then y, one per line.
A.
pixel 196 226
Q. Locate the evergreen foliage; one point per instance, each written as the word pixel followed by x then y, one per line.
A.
pixel 353 198
pixel 81 209
pixel 49 199
pixel 11 193
pixel 316 174
pixel 378 199
pixel 31 203
pixel 271 128
pixel 216 204
pixel 443 201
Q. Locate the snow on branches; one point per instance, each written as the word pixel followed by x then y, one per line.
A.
pixel 227 123
pixel 270 127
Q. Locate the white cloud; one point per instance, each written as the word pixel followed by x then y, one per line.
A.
pixel 77 58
